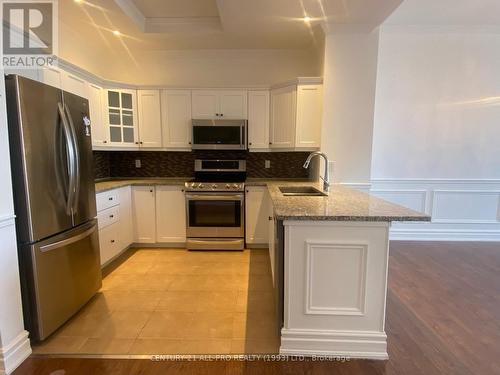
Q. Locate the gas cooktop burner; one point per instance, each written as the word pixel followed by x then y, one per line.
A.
pixel 215 186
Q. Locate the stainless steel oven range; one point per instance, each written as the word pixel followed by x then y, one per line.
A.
pixel 215 205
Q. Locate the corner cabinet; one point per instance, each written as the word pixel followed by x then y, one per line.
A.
pixel 148 103
pixel 296 117
pixel 258 120
pixel 176 118
pixel 121 118
pixel 223 104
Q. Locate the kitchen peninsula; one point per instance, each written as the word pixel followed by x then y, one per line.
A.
pixel 329 258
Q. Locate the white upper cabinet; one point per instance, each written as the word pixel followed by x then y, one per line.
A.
pixel 100 134
pixel 233 104
pixel 296 117
pixel 170 214
pixel 283 116
pixel 176 118
pixel 73 84
pixel 50 76
pixel 224 104
pixel 61 79
pixel 148 102
pixel 258 119
pixel 309 116
pixel 121 118
pixel 205 104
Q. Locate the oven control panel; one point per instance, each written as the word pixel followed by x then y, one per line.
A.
pixel 215 186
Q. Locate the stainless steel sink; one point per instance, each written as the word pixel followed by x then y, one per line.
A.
pixel 301 191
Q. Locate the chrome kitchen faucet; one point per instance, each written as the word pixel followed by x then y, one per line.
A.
pixel 326 178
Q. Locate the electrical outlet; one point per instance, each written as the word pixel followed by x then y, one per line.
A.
pixel 267 164
pixel 137 163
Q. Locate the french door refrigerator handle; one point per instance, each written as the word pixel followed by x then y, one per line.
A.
pixel 77 158
pixel 71 158
pixel 69 241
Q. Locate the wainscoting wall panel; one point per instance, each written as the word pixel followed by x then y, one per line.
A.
pixel 461 210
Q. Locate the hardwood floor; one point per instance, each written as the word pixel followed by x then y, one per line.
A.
pixel 443 317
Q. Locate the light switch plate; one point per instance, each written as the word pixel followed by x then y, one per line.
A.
pixel 267 164
pixel 137 163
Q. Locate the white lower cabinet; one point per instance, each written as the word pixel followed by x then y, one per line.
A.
pixel 256 202
pixel 109 242
pixel 144 214
pixel 125 223
pixel 114 221
pixel 170 214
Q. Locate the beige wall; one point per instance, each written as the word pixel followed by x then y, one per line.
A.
pixel 350 71
pixel 226 67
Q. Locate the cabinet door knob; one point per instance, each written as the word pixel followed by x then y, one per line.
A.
pixel 111 216
pixel 136 143
pixel 217 114
pixel 112 241
pixel 189 142
pixel 110 198
pixel 140 142
pixel 222 114
pixel 104 141
pixel 270 143
pixel 270 218
pixel 250 143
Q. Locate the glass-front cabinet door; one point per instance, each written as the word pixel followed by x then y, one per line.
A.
pixel 122 118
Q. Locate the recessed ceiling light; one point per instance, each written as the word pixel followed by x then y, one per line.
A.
pixel 307 19
pixel 78 1
pixel 117 33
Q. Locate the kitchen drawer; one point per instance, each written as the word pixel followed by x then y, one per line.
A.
pixel 107 199
pixel 108 216
pixel 109 242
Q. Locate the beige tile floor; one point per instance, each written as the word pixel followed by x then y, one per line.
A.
pixel 172 301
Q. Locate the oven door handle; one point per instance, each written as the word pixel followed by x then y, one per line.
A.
pixel 215 197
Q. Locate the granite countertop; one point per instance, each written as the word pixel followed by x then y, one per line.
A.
pixel 342 204
pixel 109 184
pixel 113 183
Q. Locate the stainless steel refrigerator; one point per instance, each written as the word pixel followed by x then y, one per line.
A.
pixel 54 198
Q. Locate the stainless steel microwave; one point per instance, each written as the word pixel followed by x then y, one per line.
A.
pixel 219 134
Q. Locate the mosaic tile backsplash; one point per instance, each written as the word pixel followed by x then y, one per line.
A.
pixel 181 164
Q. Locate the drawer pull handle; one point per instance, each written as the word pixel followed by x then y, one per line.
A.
pixel 112 241
pixel 111 216
pixel 110 198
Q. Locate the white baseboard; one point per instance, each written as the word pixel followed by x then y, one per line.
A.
pixel 348 344
pixel 15 353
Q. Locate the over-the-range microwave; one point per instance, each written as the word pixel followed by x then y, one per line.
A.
pixel 219 134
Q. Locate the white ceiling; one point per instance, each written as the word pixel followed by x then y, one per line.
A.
pixel 447 13
pixel 219 24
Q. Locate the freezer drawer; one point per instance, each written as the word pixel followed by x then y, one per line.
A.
pixel 60 275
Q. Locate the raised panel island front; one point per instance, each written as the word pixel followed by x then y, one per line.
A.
pixel 330 266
